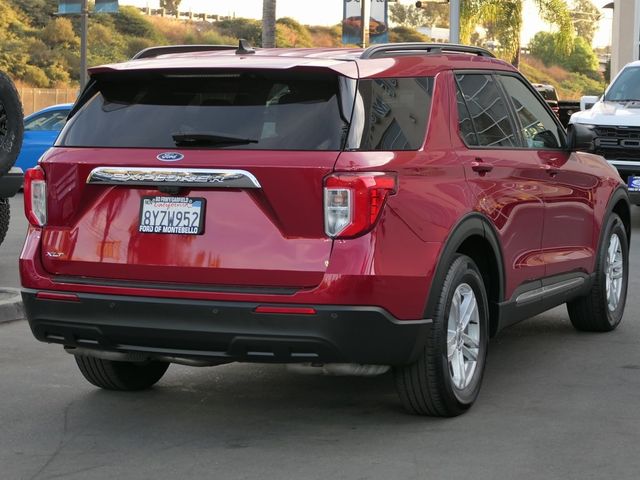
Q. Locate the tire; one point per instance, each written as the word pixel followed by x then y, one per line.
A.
pixel 11 124
pixel 5 216
pixel 430 386
pixel 601 309
pixel 128 376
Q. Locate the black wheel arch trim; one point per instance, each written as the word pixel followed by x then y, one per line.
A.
pixel 469 225
pixel 619 194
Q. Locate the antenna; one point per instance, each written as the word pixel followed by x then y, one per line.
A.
pixel 244 48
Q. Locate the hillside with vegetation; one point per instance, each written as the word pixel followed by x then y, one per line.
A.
pixel 569 85
pixel 40 49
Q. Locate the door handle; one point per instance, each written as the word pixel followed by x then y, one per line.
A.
pixel 480 167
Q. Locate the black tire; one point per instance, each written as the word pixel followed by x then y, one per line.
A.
pixel 5 216
pixel 426 387
pixel 591 313
pixel 11 124
pixel 112 375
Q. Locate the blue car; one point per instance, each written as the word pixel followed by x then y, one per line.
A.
pixel 40 131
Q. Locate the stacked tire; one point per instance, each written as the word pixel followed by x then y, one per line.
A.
pixel 11 130
pixel 11 126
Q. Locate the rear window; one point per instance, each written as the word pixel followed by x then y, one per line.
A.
pixel 268 110
pixel 391 113
pixel 548 93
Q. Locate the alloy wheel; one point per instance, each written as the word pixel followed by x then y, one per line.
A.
pixel 614 270
pixel 463 336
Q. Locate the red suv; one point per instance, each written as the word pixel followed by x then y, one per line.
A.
pixel 392 207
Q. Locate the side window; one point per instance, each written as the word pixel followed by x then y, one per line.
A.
pixel 47 121
pixel 488 110
pixel 538 127
pixel 391 113
pixel 464 121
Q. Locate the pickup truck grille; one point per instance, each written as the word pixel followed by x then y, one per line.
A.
pixel 620 143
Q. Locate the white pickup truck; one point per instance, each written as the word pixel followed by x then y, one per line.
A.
pixel 610 126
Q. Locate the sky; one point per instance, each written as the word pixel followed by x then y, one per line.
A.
pixel 329 12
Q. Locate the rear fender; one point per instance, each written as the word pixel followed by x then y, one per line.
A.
pixel 473 224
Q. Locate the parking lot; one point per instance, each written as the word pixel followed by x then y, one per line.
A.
pixel 555 403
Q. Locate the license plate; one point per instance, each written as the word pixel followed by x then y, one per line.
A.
pixel 634 183
pixel 173 215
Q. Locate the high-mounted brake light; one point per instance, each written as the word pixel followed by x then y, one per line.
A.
pixel 353 201
pixel 35 197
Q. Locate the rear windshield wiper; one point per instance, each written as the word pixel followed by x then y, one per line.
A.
pixel 197 138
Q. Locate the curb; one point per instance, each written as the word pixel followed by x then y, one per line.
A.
pixel 11 308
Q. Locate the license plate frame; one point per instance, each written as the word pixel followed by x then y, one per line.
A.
pixel 633 182
pixel 178 205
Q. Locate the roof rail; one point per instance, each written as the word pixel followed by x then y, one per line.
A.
pixel 408 48
pixel 166 49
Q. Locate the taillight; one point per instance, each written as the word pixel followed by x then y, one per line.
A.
pixel 353 202
pixel 35 197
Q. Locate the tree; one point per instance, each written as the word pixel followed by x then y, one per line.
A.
pixel 170 6
pixel 581 59
pixel 506 17
pixel 412 17
pixel 130 21
pixel 246 28
pixel 269 23
pixel 59 33
pixel 39 12
pixel 406 15
pixel 290 33
pixel 585 17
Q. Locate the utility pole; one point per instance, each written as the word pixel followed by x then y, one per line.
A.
pixel 84 21
pixel 268 23
pixel 454 21
pixel 75 7
pixel 365 6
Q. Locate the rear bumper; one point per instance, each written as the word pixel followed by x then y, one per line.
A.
pixel 225 331
pixel 11 182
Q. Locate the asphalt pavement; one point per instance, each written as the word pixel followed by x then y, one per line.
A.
pixel 12 245
pixel 555 404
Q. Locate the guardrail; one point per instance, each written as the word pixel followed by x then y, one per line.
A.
pixel 202 16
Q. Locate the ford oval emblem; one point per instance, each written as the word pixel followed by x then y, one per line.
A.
pixel 170 157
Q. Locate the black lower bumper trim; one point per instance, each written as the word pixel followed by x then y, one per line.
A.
pixel 229 331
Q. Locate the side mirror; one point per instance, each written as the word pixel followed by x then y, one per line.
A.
pixel 588 101
pixel 580 137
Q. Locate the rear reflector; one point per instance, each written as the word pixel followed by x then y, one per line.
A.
pixel 286 310
pixel 63 297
